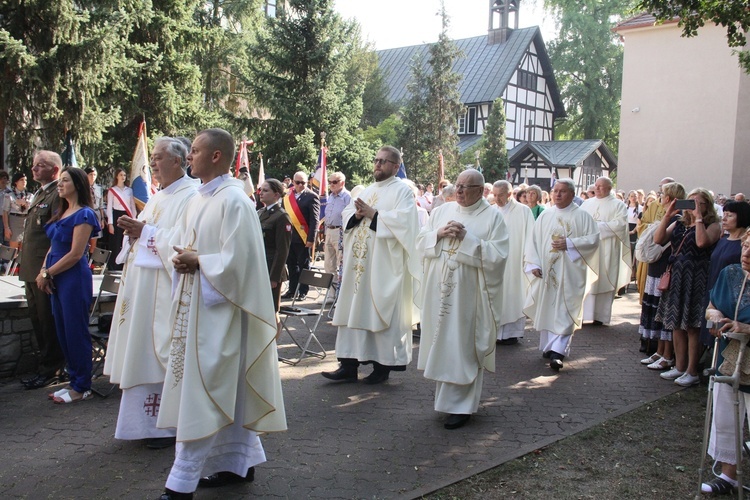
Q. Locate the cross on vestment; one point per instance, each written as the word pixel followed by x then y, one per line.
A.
pixel 151 405
pixel 151 244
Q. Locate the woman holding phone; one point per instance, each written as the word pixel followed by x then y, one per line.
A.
pixel 681 307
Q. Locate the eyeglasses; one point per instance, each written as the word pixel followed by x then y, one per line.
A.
pixel 592 191
pixel 381 161
pixel 333 182
pixel 300 182
pixel 461 187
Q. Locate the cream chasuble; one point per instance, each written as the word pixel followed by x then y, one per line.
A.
pixel 555 301
pixel 139 339
pixel 519 222
pixel 462 293
pixel 615 257
pixel 212 310
pixel 380 277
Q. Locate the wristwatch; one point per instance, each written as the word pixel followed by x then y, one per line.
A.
pixel 45 274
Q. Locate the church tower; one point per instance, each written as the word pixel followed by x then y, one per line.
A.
pixel 502 12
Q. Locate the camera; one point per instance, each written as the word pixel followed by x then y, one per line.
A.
pixel 684 204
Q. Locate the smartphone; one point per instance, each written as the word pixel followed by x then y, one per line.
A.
pixel 684 204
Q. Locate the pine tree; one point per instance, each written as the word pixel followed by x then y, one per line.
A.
pixel 430 116
pixel 494 152
pixel 299 69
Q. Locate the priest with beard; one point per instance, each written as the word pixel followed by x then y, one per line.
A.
pixel 464 246
pixel 563 259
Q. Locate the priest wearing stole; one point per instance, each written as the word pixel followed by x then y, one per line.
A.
pixel 615 256
pixel 140 335
pixel 222 384
pixel 563 259
pixel 380 276
pixel 464 245
pixel 519 221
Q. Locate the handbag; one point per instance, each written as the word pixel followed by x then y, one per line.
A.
pixel 646 250
pixel 663 285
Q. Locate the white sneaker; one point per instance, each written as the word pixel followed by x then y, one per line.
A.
pixel 687 380
pixel 672 374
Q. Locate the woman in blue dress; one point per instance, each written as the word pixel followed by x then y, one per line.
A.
pixel 66 276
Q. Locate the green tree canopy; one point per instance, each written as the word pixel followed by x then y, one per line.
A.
pixel 587 58
pixel 494 149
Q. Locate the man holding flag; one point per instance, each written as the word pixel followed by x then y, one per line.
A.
pixel 303 207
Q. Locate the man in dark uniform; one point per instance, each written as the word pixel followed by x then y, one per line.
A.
pixel 277 234
pixel 303 207
pixel 46 169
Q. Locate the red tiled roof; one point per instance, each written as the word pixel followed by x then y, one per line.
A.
pixel 640 21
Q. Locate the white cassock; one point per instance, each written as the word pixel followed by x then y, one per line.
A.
pixel 380 277
pixel 462 302
pixel 139 339
pixel 222 383
pixel 615 259
pixel 519 220
pixel 555 301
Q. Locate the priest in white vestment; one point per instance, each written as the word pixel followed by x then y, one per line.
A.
pixel 222 384
pixel 519 221
pixel 380 277
pixel 562 257
pixel 464 246
pixel 615 256
pixel 139 339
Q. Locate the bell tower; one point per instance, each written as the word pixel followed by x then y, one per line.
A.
pixel 502 12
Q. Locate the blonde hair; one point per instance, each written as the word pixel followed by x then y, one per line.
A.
pixel 709 216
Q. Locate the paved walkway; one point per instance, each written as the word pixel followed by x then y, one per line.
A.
pixel 344 441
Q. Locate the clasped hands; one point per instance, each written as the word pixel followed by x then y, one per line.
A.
pixel 132 227
pixel 186 261
pixel 363 210
pixel 452 229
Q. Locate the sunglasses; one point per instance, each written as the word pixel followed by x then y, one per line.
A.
pixel 300 182
pixel 333 182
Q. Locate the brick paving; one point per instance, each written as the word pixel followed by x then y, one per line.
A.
pixel 344 440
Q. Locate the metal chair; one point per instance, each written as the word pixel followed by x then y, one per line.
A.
pixel 9 254
pixel 100 257
pixel 98 331
pixel 315 280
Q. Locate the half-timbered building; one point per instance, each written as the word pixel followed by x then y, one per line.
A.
pixel 508 62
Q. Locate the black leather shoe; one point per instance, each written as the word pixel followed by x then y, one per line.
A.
pixel 287 296
pixel 556 364
pixel 302 296
pixel 40 381
pixel 160 443
pixel 546 354
pixel 597 323
pixel 456 420
pixel 175 495
pixel 225 478
pixel 376 377
pixel 510 341
pixel 342 374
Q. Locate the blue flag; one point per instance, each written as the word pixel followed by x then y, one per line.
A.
pixel 401 174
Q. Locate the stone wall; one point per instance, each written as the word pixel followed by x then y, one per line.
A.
pixel 17 343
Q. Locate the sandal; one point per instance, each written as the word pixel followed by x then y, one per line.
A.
pixel 66 398
pixel 718 486
pixel 661 364
pixel 59 393
pixel 651 359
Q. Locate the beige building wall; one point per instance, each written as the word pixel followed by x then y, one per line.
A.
pixel 685 111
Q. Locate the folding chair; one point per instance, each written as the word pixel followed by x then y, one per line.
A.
pixel 97 329
pixel 315 280
pixel 100 257
pixel 10 254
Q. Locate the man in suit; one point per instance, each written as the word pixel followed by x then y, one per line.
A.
pixel 46 169
pixel 303 207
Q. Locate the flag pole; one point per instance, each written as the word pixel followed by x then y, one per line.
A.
pixel 323 188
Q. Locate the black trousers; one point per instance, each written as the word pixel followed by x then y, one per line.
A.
pixel 297 260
